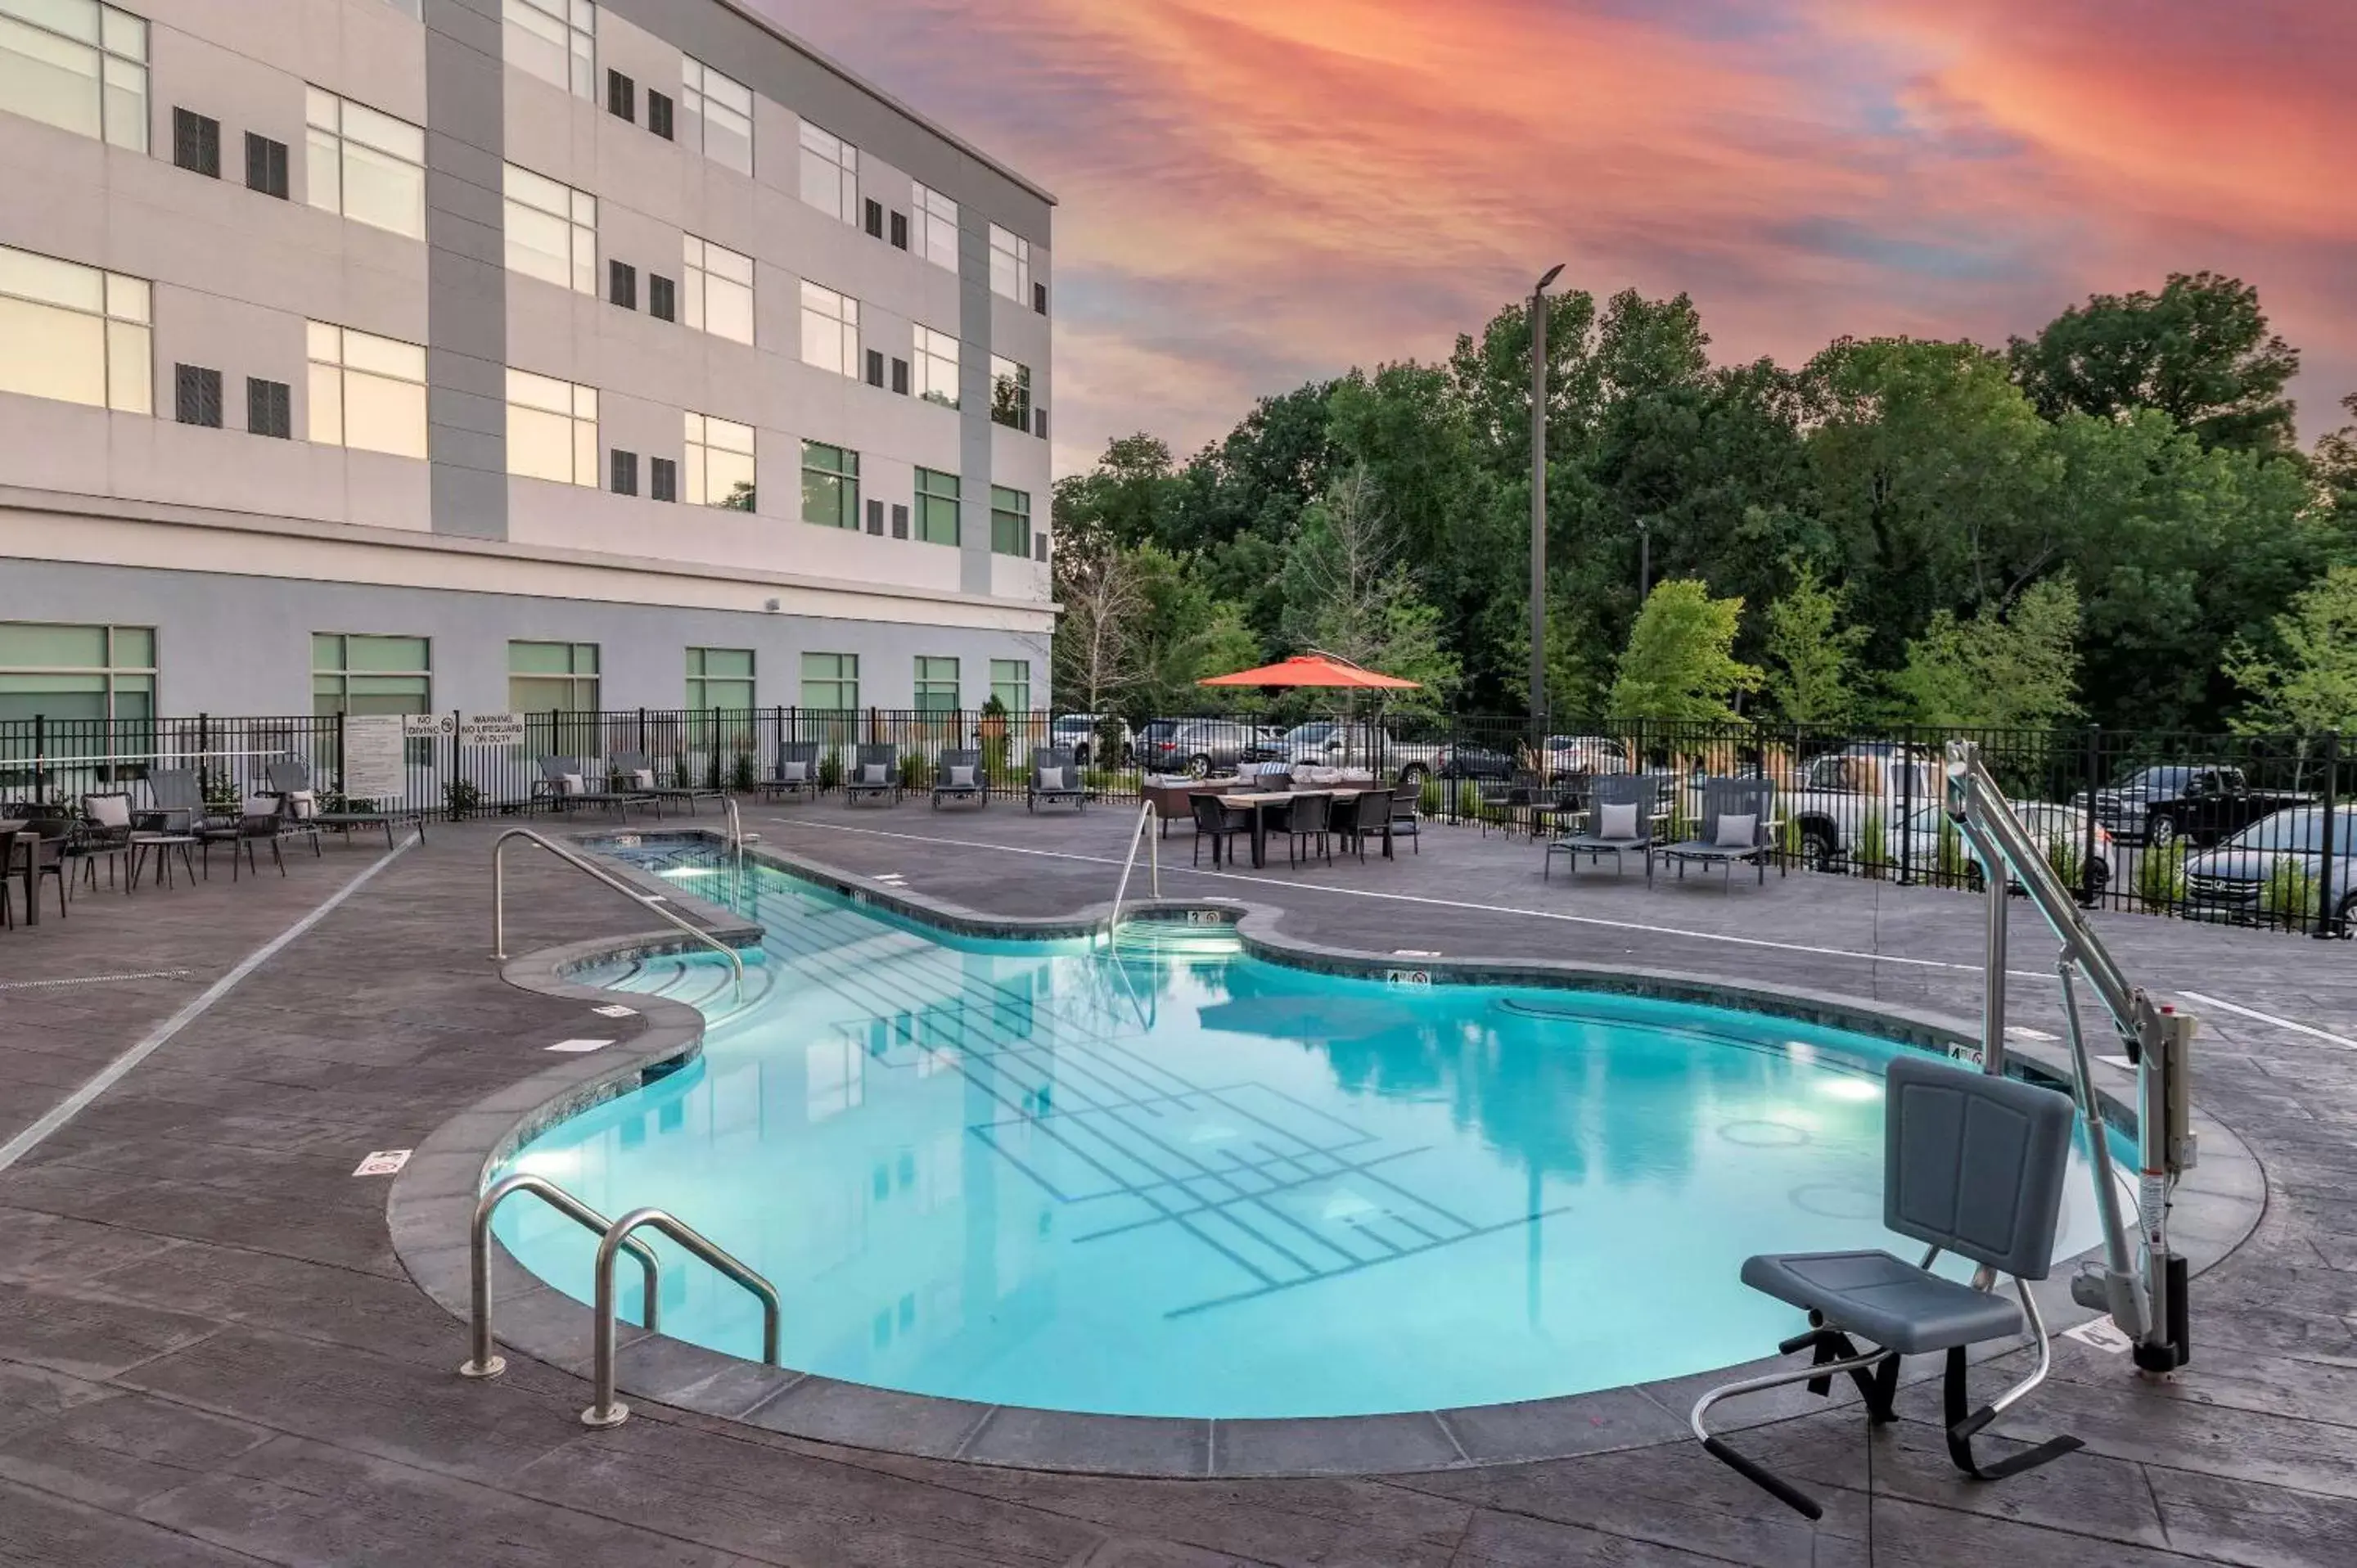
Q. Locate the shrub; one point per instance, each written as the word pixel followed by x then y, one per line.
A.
pixel 830 769
pixel 1874 844
pixel 916 771
pixel 2064 856
pixel 742 774
pixel 682 775
pixel 712 769
pixel 1956 863
pixel 2289 895
pixel 1427 796
pixel 2161 877
pixel 464 798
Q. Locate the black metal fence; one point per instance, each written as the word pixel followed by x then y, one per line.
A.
pixel 2249 829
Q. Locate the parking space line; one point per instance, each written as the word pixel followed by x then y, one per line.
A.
pixel 2199 1000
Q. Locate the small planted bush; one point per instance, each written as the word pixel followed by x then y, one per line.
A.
pixel 2289 895
pixel 1874 844
pixel 2161 877
pixel 830 769
pixel 742 774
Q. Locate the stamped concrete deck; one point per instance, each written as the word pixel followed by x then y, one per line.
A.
pixel 209 1354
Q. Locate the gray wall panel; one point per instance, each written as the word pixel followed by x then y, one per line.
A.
pixel 466 281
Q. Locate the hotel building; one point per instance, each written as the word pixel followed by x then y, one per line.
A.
pixel 384 356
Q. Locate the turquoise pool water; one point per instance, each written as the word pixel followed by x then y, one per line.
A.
pixel 1187 1182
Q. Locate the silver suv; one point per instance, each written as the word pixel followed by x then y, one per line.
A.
pixel 2287 849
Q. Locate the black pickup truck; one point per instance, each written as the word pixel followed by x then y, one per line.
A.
pixel 2160 805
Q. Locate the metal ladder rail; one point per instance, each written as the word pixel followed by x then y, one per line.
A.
pixel 608 1410
pixel 483 1362
pixel 651 902
pixel 1143 828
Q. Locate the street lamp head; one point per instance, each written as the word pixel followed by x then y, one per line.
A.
pixel 1552 273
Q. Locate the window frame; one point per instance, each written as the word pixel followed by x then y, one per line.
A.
pixel 554 201
pixel 332 148
pixel 929 504
pixel 124 314
pixel 533 401
pixel 1000 512
pixel 116 676
pixel 568 26
pixel 838 320
pixel 376 346
pixel 842 675
pixel 697 446
pixel 341 675
pixel 928 685
pixel 1010 394
pixel 840 481
pixel 117 46
pixel 1002 683
pixel 576 681
pixel 923 372
pixel 934 226
pixel 829 165
pixel 701 281
pixel 702 679
pixel 1010 257
pixel 698 82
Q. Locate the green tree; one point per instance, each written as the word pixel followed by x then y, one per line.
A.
pixel 2304 680
pixel 1347 591
pixel 2199 351
pixel 1812 653
pixel 1680 663
pixel 2336 464
pixel 1997 669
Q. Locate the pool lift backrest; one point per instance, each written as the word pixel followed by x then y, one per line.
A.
pixel 2145 1295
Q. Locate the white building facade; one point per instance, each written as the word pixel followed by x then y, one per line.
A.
pixel 381 356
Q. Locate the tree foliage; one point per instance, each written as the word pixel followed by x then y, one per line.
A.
pixel 1812 653
pixel 1680 664
pixel 2304 677
pixel 2015 668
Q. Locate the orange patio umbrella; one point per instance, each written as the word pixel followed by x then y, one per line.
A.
pixel 1313 670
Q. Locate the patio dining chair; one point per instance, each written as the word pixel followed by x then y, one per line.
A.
pixel 1309 817
pixel 257 823
pixel 1221 823
pixel 1619 822
pixel 41 853
pixel 1368 816
pixel 1738 827
pixel 1407 807
pixel 103 835
pixel 875 775
pixel 1521 789
pixel 958 776
pixel 1055 776
pixel 1972 1165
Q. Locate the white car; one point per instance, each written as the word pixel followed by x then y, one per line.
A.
pixel 1085 733
pixel 1591 755
pixel 2060 831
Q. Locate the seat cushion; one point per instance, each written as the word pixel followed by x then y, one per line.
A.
pixel 1882 1299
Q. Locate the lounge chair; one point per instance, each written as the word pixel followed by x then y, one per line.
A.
pixel 1737 827
pixel 1221 823
pixel 1520 791
pixel 796 772
pixel 1975 1166
pixel 176 802
pixel 958 776
pixel 567 783
pixel 641 774
pixel 1620 822
pixel 290 780
pixel 1055 777
pixel 874 774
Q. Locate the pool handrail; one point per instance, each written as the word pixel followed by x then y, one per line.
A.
pixel 1143 828
pixel 607 1411
pixel 483 1362
pixel 654 902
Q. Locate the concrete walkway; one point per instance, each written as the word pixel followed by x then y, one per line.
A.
pixel 207 1353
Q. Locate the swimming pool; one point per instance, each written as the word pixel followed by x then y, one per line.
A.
pixel 1185 1181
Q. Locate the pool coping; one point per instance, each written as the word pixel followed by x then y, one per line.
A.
pixel 432 1201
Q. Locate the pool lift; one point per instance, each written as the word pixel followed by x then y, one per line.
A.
pixel 2145 1294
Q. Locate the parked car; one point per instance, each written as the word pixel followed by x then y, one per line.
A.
pixel 1087 734
pixel 1838 799
pixel 1353 743
pixel 2060 831
pixel 2199 804
pixel 1584 755
pixel 2231 881
pixel 1199 746
pixel 1462 760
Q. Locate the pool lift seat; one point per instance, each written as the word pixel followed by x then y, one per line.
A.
pixel 1972 1165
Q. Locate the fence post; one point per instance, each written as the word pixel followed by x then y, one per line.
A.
pixel 339 757
pixel 2087 895
pixel 1908 751
pixel 40 760
pixel 2324 882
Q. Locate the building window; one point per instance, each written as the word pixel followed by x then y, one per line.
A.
pixel 937 228
pixel 551 429
pixel 74 333
pixel 195 143
pixel 1011 265
pixel 1010 683
pixel 269 408
pixel 624 479
pixel 369 167
pixel 830 330
pixel 366 391
pixel 935 367
pixel 621 97
pixel 659 113
pixel 830 681
pixel 1010 394
pixel 830 485
pixel 77 65
pixel 1010 520
pixel 552 231
pixel 197 395
pixel 662 297
pixel 719 288
pixel 266 166
pixel 720 677
pixel 556 40
pixel 830 173
pixel 90 673
pixel 720 463
pixel 937 506
pixel 662 480
pixel 552 676
pixel 355 674
pixel 937 684
pixel 622 285
pixel 720 116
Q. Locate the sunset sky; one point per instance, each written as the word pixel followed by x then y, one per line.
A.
pixel 1256 192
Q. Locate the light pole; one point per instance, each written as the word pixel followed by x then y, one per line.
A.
pixel 1645 559
pixel 1538 501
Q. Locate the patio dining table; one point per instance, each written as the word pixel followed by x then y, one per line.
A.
pixel 1259 803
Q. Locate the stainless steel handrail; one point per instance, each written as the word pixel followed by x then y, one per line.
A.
pixel 608 1410
pixel 1144 829
pixel 483 1362
pixel 651 901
